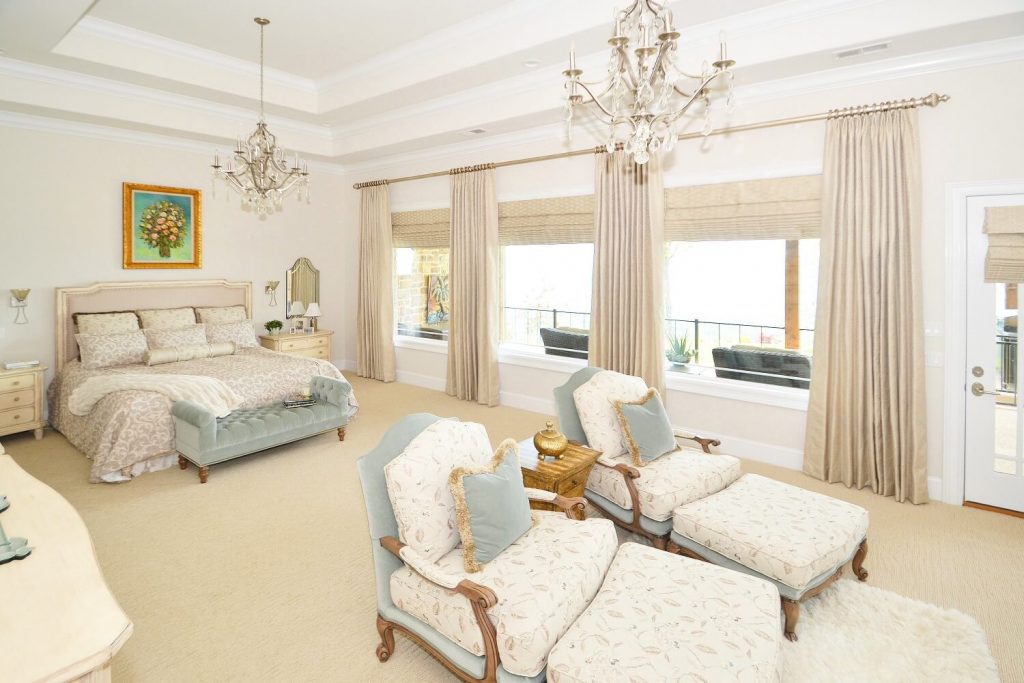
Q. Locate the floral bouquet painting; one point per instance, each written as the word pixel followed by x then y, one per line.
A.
pixel 162 227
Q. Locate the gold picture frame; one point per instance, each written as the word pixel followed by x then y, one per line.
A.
pixel 162 227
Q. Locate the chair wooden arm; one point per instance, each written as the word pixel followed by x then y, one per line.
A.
pixel 570 506
pixel 705 444
pixel 629 473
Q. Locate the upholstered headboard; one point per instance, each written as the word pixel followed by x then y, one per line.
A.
pixel 131 296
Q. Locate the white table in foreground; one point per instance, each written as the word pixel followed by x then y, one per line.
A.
pixel 58 619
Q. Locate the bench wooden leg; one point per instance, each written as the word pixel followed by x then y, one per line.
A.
pixel 791 608
pixel 204 473
pixel 182 462
pixel 341 433
pixel 858 561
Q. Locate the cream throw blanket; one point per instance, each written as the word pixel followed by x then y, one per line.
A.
pixel 210 393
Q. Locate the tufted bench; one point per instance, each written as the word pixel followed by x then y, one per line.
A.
pixel 661 617
pixel 203 440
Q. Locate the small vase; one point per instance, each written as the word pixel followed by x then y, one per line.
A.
pixel 164 250
pixel 550 442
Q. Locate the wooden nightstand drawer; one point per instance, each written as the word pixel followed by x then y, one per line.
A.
pixel 17 416
pixel 310 343
pixel 17 382
pixel 17 399
pixel 318 352
pixel 572 486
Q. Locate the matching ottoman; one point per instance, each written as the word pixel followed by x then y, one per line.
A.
pixel 661 617
pixel 797 539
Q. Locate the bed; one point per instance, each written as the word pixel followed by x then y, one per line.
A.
pixel 131 432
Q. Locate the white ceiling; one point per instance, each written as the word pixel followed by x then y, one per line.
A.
pixel 353 81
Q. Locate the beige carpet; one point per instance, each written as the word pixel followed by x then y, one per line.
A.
pixel 264 572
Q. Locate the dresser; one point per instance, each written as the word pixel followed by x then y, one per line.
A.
pixel 21 401
pixel 59 620
pixel 313 345
pixel 566 476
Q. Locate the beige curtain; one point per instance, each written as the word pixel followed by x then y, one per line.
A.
pixel 866 420
pixel 473 332
pixel 375 313
pixel 1004 260
pixel 628 301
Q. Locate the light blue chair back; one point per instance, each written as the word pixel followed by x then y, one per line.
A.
pixel 568 418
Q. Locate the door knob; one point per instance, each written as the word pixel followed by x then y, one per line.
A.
pixel 977 371
pixel 978 389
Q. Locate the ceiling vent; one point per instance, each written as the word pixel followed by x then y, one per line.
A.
pixel 862 50
pixel 475 131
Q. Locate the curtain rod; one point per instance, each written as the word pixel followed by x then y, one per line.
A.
pixel 932 100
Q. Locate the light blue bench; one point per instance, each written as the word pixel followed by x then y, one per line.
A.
pixel 204 440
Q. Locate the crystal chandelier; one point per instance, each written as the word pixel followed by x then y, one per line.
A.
pixel 258 169
pixel 645 94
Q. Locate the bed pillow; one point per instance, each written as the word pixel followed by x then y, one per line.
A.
pixel 241 333
pixel 417 481
pixel 491 506
pixel 221 314
pixel 106 323
pixel 593 401
pixel 167 318
pixel 646 427
pixel 193 335
pixel 173 354
pixel 108 350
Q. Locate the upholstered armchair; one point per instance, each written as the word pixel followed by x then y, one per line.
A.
pixel 497 624
pixel 641 499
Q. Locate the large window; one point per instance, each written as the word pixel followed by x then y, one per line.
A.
pixel 742 309
pixel 421 292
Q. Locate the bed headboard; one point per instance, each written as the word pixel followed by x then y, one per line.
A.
pixel 130 296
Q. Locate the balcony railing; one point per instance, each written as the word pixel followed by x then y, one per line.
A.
pixel 1006 345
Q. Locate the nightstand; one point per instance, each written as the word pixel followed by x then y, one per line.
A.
pixel 566 476
pixel 21 401
pixel 313 345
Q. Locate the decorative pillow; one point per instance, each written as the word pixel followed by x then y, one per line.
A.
pixel 106 323
pixel 174 354
pixel 167 318
pixel 241 333
pixel 222 314
pixel 417 481
pixel 597 415
pixel 646 428
pixel 491 506
pixel 192 335
pixel 107 350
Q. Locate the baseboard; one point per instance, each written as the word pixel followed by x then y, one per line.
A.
pixel 780 456
pixel 544 406
pixel 420 380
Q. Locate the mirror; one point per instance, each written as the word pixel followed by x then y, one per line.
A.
pixel 302 285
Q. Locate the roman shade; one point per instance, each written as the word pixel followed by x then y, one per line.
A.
pixel 555 220
pixel 768 209
pixel 423 228
pixel 1004 261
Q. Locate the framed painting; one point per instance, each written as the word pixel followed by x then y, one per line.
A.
pixel 162 227
pixel 437 299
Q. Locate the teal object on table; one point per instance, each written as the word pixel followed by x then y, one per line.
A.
pixel 11 548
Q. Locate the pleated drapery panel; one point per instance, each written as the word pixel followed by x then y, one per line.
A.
pixel 1004 260
pixel 473 331
pixel 375 312
pixel 422 228
pixel 767 209
pixel 866 418
pixel 629 250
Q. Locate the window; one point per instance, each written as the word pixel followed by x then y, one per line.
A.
pixel 742 309
pixel 421 292
pixel 546 291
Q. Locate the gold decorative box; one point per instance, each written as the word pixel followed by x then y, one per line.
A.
pixel 550 442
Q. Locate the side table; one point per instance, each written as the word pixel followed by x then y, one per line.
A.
pixel 566 476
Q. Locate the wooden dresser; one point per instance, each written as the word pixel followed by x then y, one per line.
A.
pixel 566 476
pixel 314 345
pixel 21 401
pixel 59 621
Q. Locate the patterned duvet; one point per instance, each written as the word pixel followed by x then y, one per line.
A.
pixel 131 432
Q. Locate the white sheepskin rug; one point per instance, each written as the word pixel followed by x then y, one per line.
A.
pixel 854 632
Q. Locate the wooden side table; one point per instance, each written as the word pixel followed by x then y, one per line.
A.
pixel 312 345
pixel 21 400
pixel 566 476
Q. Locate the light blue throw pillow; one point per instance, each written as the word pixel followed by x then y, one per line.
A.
pixel 646 427
pixel 491 506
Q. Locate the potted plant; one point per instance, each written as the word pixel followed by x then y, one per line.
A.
pixel 273 327
pixel 679 350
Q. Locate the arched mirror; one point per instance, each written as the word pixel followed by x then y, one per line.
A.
pixel 302 287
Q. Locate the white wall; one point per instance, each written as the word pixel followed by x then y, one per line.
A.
pixel 61 226
pixel 976 136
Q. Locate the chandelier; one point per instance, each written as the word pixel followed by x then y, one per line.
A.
pixel 645 93
pixel 258 169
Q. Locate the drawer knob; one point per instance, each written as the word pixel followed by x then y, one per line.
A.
pixel 16 382
pixel 575 482
pixel 17 399
pixel 17 417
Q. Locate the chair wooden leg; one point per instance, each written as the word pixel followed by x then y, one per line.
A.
pixel 387 639
pixel 204 473
pixel 182 462
pixel 858 561
pixel 341 433
pixel 791 608
pixel 660 542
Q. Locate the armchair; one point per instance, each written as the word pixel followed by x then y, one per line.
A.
pixel 641 500
pixel 479 633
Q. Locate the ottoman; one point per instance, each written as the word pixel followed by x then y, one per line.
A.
pixel 661 617
pixel 797 539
